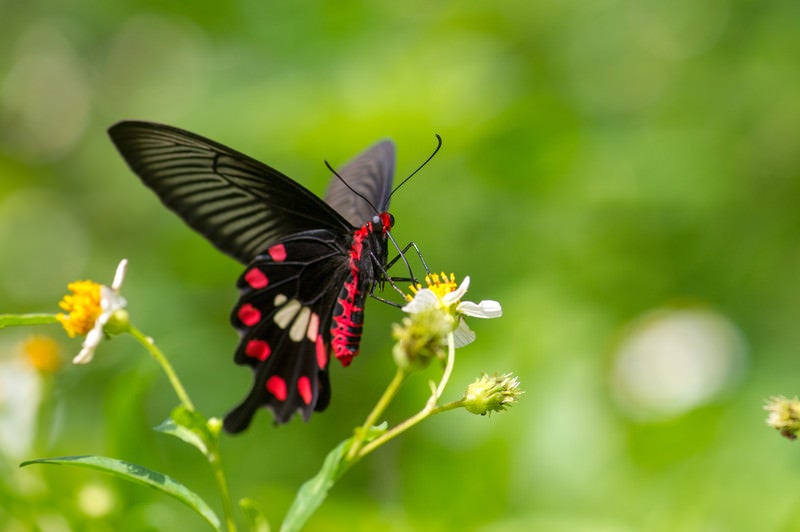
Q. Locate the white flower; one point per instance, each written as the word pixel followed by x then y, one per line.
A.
pixel 92 305
pixel 444 294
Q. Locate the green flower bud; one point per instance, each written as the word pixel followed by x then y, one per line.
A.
pixel 492 394
pixel 214 426
pixel 420 339
pixel 784 416
pixel 118 322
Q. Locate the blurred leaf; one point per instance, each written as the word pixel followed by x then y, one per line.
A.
pixel 188 426
pixel 255 515
pixel 141 475
pixel 314 491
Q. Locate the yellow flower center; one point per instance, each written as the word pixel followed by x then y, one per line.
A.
pixel 83 307
pixel 42 353
pixel 439 284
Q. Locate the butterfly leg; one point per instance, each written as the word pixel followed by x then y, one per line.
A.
pixel 402 255
pixel 385 277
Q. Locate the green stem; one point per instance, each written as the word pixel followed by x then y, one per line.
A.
pixel 376 412
pixel 407 424
pixel 222 484
pixel 212 453
pixel 165 365
pixel 429 409
pixel 8 320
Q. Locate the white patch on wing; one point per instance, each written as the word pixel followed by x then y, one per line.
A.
pixel 300 325
pixel 279 300
pixel 313 327
pixel 286 314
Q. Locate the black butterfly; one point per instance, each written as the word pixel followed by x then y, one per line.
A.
pixel 310 263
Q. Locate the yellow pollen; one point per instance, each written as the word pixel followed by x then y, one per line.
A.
pixel 439 284
pixel 42 353
pixel 82 306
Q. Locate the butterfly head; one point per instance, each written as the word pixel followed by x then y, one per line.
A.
pixel 384 221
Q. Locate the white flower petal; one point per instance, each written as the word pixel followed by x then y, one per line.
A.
pixel 85 356
pixel 424 300
pixel 456 295
pixel 485 309
pixel 110 301
pixel 119 275
pixel 20 395
pixel 90 343
pixel 463 335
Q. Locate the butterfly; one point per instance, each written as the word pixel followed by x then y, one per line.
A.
pixel 310 264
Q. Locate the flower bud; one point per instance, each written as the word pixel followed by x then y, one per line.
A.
pixel 784 416
pixel 420 339
pixel 492 394
pixel 118 322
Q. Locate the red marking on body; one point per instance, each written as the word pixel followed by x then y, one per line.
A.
pixel 277 252
pixel 256 278
pixel 258 349
pixel 386 221
pixel 248 314
pixel 277 387
pixel 304 389
pixel 346 327
pixel 322 352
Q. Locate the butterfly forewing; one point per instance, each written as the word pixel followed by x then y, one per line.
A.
pixel 239 204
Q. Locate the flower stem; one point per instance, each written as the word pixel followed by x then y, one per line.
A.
pixel 8 320
pixel 407 424
pixel 379 408
pixel 430 407
pixel 165 365
pixel 222 484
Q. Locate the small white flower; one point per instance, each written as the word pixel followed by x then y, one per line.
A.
pixel 444 294
pixel 92 305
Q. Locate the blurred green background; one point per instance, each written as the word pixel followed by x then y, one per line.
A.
pixel 622 176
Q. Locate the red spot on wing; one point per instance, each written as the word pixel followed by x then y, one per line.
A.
pixel 322 352
pixel 304 389
pixel 258 349
pixel 256 278
pixel 277 252
pixel 277 387
pixel 248 314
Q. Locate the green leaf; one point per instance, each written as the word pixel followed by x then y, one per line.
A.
pixel 141 475
pixel 314 491
pixel 8 320
pixel 190 427
pixel 255 514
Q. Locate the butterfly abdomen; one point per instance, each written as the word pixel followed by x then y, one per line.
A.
pixel 347 323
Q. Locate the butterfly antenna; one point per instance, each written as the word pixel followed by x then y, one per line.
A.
pixel 354 191
pixel 435 151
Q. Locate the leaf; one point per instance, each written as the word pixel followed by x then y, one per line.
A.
pixel 188 426
pixel 141 475
pixel 315 490
pixel 255 514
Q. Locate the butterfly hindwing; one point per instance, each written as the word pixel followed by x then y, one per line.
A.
pixel 287 296
pixel 370 174
pixel 239 204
